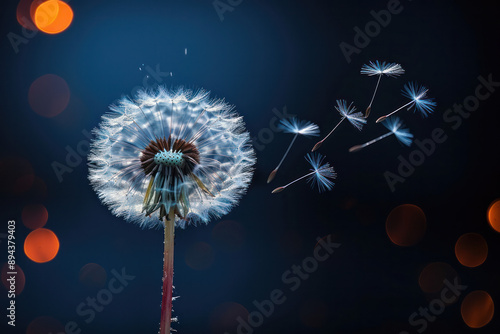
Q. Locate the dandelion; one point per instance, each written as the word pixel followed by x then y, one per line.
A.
pixel 380 68
pixel 296 127
pixel 347 112
pixel 321 174
pixel 419 100
pixel 395 126
pixel 168 159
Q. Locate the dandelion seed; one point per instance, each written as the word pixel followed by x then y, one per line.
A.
pixel 419 101
pixel 321 174
pixel 296 127
pixel 395 125
pixel 347 112
pixel 380 68
pixel 167 159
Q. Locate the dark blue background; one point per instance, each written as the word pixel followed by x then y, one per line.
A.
pixel 263 55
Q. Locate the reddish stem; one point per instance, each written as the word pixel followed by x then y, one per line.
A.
pixel 168 274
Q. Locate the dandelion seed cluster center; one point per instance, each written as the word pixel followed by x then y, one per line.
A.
pixel 179 155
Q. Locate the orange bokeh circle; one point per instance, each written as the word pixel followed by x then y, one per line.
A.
pixel 406 225
pixel 41 245
pixel 433 276
pixel 44 325
pixel 494 215
pixel 477 309
pixel 53 16
pixel 20 278
pixel 49 95
pixel 471 250
pixel 34 216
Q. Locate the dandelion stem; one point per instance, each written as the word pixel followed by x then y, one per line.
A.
pixel 168 273
pixel 288 150
pixel 300 178
pixel 359 147
pixel 318 144
pixel 395 111
pixel 375 92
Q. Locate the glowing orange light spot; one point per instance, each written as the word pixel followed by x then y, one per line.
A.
pixel 406 225
pixel 477 309
pixel 494 215
pixel 53 16
pixel 93 275
pixel 224 317
pixel 41 245
pixel 44 325
pixel 49 95
pixel 20 278
pixel 432 277
pixel 200 256
pixel 471 250
pixel 23 14
pixel 34 216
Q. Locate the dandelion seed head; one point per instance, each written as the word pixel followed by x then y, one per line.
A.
pixel 418 94
pixel 171 150
pixel 395 125
pixel 322 173
pixel 168 158
pixel 380 68
pixel 355 118
pixel 294 125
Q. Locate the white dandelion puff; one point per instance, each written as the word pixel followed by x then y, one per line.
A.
pixel 168 158
pixel 297 127
pixel 380 69
pixel 395 126
pixel 347 112
pixel 321 174
pixel 419 101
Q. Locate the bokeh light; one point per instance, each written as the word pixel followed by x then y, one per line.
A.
pixel 431 279
pixel 224 317
pixel 20 277
pixel 53 16
pixel 471 250
pixel 229 235
pixel 477 309
pixel 406 225
pixel 49 95
pixel 16 175
pixel 44 325
pixel 93 275
pixel 23 14
pixel 41 245
pixel 200 256
pixel 314 313
pixel 494 215
pixel 34 216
